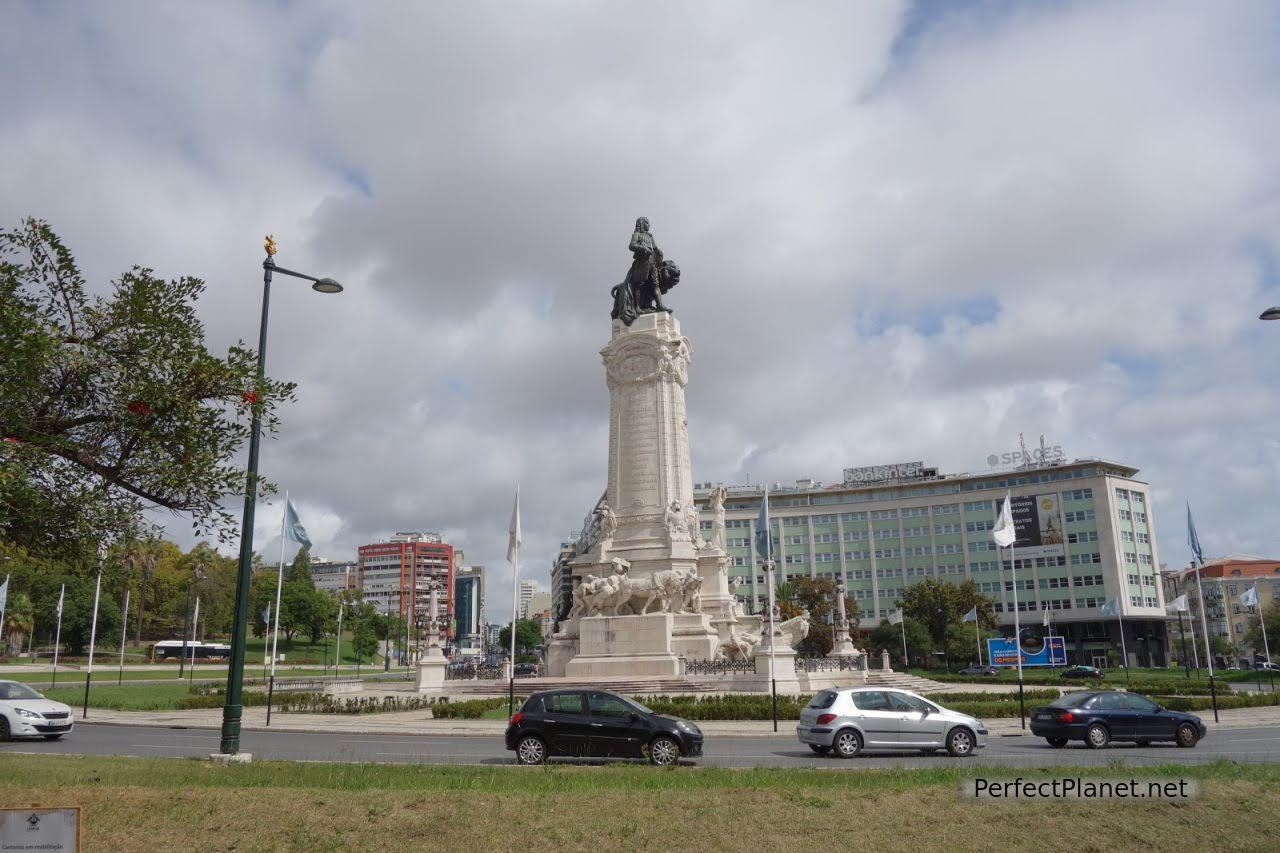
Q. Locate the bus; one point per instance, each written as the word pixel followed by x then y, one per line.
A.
pixel 173 650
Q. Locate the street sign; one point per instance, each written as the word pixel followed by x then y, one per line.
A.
pixel 40 829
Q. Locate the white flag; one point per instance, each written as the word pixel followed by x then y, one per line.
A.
pixel 1178 605
pixel 1003 532
pixel 1250 596
pixel 1046 618
pixel 513 543
pixel 4 592
pixel 1110 608
pixel 61 593
pixel 895 618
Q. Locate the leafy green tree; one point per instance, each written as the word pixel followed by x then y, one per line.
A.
pixel 19 617
pixel 889 637
pixel 364 640
pixel 1253 637
pixel 528 636
pixel 939 604
pixel 112 404
pixel 77 611
pixel 299 570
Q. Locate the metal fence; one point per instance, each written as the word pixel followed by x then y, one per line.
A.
pixel 849 663
pixel 475 673
pixel 717 667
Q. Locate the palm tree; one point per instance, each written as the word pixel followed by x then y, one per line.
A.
pixel 140 557
pixel 19 618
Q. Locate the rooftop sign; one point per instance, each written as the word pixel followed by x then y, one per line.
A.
pixel 882 473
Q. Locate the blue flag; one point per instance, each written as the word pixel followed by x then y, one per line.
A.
pixel 1192 539
pixel 764 536
pixel 293 528
pixel 972 615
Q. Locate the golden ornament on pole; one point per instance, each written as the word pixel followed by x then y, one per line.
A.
pixel 270 245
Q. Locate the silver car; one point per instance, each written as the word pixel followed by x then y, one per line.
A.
pixel 848 720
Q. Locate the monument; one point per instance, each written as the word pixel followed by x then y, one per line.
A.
pixel 650 589
pixel 431 660
pixel 843 646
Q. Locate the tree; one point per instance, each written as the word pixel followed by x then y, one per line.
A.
pixel 1253 637
pixel 528 635
pixel 889 637
pixel 112 404
pixel 77 611
pixel 939 604
pixel 300 569
pixel 364 640
pixel 19 617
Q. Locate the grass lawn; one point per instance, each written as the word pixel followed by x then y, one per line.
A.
pixel 135 697
pixel 132 804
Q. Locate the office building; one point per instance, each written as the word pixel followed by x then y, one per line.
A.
pixel 527 589
pixel 334 576
pixel 1085 536
pixel 562 579
pixel 397 575
pixel 1224 581
pixel 468 610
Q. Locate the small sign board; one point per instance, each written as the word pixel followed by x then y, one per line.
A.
pixel 1036 651
pixel 40 829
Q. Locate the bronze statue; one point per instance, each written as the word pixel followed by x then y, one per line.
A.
pixel 650 276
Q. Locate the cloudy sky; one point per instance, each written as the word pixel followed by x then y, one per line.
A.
pixel 907 231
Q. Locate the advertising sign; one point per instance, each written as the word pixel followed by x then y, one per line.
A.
pixel 40 829
pixel 1037 519
pixel 1036 650
pixel 881 473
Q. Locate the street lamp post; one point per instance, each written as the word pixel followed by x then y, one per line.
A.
pixel 233 710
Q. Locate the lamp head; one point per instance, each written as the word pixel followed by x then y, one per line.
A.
pixel 1272 313
pixel 326 285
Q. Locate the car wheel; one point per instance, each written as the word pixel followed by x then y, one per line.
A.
pixel 960 742
pixel 531 750
pixel 664 752
pixel 1057 742
pixel 820 750
pixel 1187 736
pixel 4 729
pixel 52 737
pixel 847 743
pixel 1097 736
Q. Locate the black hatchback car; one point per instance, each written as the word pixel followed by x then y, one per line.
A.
pixel 595 724
pixel 1099 717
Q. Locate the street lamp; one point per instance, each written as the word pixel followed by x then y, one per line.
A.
pixel 233 709
pixel 1272 313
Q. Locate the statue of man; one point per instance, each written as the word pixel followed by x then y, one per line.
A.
pixel 718 494
pixel 608 522
pixel 842 619
pixel 649 277
pixel 674 520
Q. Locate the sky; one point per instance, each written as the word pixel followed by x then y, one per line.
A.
pixel 906 231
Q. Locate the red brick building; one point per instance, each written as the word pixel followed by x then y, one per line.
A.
pixel 397 575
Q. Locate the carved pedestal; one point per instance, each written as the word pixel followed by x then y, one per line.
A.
pixel 625 645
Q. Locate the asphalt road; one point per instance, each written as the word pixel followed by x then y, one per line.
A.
pixel 1249 744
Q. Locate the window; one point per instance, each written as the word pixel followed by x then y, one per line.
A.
pixel 854 535
pixel 1078 495
pixel 1140 517
pixel 1125 515
pixel 982 546
pixel 915 512
pixel 824 519
pixel 1133 579
pixel 951 569
pixel 978 526
pixel 795 540
pixel 947 548
pixel 918 572
pixel 888 573
pixel 988 586
pixel 915 531
pixel 1122 494
pixel 978 506
pixel 1144 538
pixel 1085 559
pixel 1055 583
pixel 853 516
pixel 946 529
pixel 886 534
pixel 604 705
pixel 856 555
pixel 563 703
pixel 871 700
pixel 858 574
pixel 826 558
pixel 982 565
pixel 1050 562
pixel 946 509
pixel 1126 536
pixel 792 559
pixel 1026 584
pixel 740 542
pixel 1080 515
pixel 886 553
pixel 795 521
pixel 918 551
pixel 879 514
pixel 1231 590
pixel 1083 536
pixel 826 537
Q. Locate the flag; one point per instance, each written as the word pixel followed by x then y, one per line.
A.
pixel 972 615
pixel 4 592
pixel 1178 605
pixel 1003 532
pixel 764 536
pixel 293 528
pixel 513 542
pixel 1192 539
pixel 1250 596
pixel 1111 608
pixel 61 593
pixel 1045 620
pixel 895 618
pixel 266 615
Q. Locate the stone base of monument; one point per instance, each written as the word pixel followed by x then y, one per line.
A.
pixel 431 669
pixel 625 646
pixel 843 649
pixel 784 666
pixel 561 649
pixel 693 636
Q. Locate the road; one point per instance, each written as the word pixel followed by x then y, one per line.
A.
pixel 1245 744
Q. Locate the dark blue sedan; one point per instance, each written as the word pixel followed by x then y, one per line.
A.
pixel 1099 717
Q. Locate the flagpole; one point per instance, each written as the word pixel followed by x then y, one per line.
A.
pixel 195 626
pixel 275 635
pixel 93 631
pixel 4 646
pixel 977 638
pixel 57 634
pixel 1266 646
pixel 1017 630
pixel 902 623
pixel 513 554
pixel 772 578
pixel 1124 650
pixel 124 635
pixel 1182 631
pixel 337 649
pixel 1208 650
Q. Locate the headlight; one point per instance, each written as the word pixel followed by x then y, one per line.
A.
pixel 686 727
pixel 30 715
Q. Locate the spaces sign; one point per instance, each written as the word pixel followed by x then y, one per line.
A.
pixel 1037 520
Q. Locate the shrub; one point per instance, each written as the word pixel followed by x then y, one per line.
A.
pixel 469 709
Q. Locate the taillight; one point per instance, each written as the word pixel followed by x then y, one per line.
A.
pixel 1065 717
pixel 517 717
pixel 823 719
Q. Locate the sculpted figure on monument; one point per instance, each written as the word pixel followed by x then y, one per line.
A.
pixel 608 522
pixel 674 519
pixel 718 494
pixel 649 278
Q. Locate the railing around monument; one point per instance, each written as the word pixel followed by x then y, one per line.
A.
pixel 847 663
pixel 717 667
pixel 474 673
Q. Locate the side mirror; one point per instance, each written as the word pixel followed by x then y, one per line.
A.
pixel 1159 708
pixel 635 718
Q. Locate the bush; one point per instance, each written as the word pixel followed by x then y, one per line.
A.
pixel 469 709
pixel 730 707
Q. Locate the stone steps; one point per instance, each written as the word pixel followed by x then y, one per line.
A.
pixel 667 685
pixel 901 680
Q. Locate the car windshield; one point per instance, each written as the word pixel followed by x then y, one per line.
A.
pixel 825 699
pixel 14 690
pixel 1071 700
pixel 638 705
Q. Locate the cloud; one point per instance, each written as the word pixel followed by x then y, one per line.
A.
pixel 906 231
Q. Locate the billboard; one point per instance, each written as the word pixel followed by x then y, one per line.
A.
pixel 882 473
pixel 1037 520
pixel 1036 650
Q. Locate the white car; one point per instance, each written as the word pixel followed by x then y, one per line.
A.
pixel 25 713
pixel 845 721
